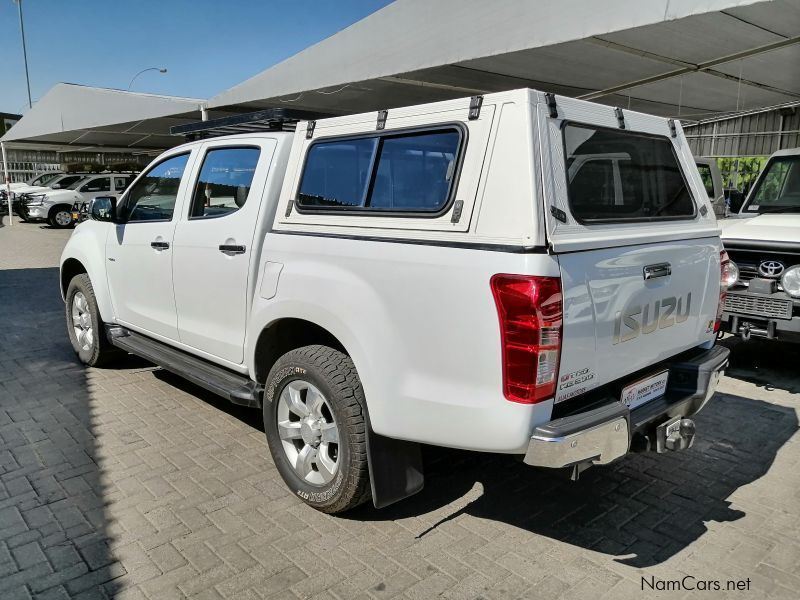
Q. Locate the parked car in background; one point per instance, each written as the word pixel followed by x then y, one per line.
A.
pixel 61 180
pixel 42 179
pixel 55 206
pixel 379 281
pixel 763 243
pixel 712 181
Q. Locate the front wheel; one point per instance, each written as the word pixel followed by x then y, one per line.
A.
pixel 86 329
pixel 315 420
pixel 60 217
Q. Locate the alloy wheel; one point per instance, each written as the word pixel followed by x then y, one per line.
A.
pixel 82 321
pixel 309 434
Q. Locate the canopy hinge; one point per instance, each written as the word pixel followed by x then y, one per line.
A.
pixel 458 207
pixel 559 214
pixel 552 107
pixel 475 104
pixel 289 206
pixel 381 123
pixel 673 131
pixel 310 129
pixel 620 117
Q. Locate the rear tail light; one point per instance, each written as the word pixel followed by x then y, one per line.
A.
pixel 724 278
pixel 530 313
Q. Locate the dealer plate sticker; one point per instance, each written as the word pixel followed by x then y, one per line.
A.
pixel 645 390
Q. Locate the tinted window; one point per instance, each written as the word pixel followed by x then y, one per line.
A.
pixel 414 172
pixel 153 196
pixel 224 181
pixel 592 182
pixel 651 184
pixel 122 183
pixel 336 173
pixel 411 172
pixel 100 184
pixel 779 186
pixel 708 180
pixel 69 182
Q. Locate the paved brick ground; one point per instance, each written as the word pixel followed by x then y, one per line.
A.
pixel 130 483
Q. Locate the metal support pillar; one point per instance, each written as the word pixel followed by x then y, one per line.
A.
pixel 8 184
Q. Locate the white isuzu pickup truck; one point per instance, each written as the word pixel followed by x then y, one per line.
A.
pixel 437 274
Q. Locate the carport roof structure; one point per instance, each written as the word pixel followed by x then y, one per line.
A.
pixel 670 57
pixel 74 118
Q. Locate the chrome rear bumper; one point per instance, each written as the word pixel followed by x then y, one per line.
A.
pixel 604 434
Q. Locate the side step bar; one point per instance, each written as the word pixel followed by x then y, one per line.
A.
pixel 237 388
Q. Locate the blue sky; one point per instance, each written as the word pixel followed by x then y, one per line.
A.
pixel 206 45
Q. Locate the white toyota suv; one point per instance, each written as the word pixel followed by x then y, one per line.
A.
pixel 764 245
pixel 436 274
pixel 55 206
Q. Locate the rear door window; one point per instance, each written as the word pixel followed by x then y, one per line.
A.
pixel 224 181
pixel 624 176
pixel 98 184
pixel 121 183
pixel 410 172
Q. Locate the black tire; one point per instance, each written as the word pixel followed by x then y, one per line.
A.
pixel 53 217
pixel 334 375
pixel 100 352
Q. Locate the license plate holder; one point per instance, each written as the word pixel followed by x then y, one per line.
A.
pixel 642 391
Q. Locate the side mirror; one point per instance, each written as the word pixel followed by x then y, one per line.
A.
pixel 736 200
pixel 103 208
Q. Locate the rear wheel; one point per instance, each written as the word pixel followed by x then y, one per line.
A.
pixel 60 217
pixel 314 417
pixel 86 329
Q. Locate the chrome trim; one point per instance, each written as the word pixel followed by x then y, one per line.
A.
pixel 600 444
pixel 657 270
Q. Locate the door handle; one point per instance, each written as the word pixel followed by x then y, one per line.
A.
pixel 232 249
pixel 160 245
pixel 658 270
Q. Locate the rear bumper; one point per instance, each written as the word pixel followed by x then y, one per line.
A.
pixel 604 434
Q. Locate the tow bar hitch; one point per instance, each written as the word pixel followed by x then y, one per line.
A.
pixel 677 434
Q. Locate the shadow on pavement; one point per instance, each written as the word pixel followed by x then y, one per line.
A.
pixel 643 509
pixel 767 363
pixel 53 519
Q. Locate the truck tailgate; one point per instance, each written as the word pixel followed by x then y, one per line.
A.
pixel 627 308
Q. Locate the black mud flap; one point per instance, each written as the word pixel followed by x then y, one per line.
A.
pixel 395 468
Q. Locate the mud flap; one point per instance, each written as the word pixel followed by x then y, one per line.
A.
pixel 395 468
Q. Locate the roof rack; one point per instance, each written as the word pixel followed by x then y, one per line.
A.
pixel 270 119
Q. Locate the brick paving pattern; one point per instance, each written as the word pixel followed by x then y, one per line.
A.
pixel 130 483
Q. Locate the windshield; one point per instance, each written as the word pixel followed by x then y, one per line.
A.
pixel 43 179
pixel 778 188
